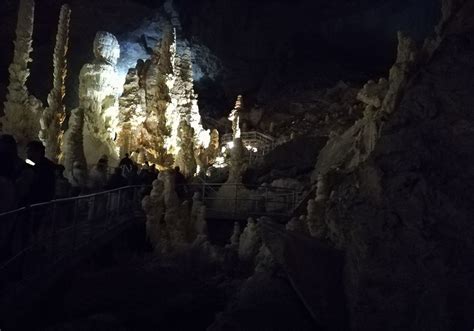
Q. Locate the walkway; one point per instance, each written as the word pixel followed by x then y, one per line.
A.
pixel 38 241
pixel 315 272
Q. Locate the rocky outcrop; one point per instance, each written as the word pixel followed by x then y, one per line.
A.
pixel 22 110
pixel 52 118
pixel 399 201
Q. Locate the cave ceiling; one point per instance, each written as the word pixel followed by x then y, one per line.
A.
pixel 257 43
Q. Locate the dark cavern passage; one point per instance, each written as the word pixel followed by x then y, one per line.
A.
pixel 236 165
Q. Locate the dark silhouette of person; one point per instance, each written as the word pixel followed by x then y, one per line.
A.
pixel 126 162
pixel 153 173
pixel 180 183
pixel 15 169
pixel 116 180
pixel 44 184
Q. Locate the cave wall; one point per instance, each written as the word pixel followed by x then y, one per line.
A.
pixel 404 217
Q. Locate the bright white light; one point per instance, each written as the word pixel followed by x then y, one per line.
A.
pixel 28 161
pixel 220 162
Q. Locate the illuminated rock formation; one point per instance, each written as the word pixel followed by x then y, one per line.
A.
pixel 73 142
pixel 213 150
pixel 154 207
pixel 234 117
pixel 22 110
pixel 186 159
pixel 52 119
pixel 98 98
pixel 158 74
pixel 132 113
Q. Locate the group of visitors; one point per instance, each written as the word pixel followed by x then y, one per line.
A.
pixel 37 179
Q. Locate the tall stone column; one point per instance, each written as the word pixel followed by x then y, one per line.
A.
pixel 22 110
pixel 52 119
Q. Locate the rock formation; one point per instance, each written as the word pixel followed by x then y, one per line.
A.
pixel 154 207
pixel 132 112
pixel 98 98
pixel 185 158
pixel 235 238
pixel 73 142
pixel 402 213
pixel 234 117
pixel 157 78
pixel 22 110
pixel 52 119
pixel 249 242
pixel 92 126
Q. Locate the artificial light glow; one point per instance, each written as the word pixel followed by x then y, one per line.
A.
pixel 220 162
pixel 28 161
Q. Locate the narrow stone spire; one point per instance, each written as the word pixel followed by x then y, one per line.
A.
pixel 21 109
pixel 51 121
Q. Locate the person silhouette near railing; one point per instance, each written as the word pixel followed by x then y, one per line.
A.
pixel 44 184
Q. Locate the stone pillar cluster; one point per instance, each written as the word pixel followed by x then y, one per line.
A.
pixel 22 110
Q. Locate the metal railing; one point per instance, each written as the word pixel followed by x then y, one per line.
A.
pixel 238 201
pixel 36 237
pixel 261 142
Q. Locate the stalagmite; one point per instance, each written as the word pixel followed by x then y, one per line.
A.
pixel 235 238
pixel 157 77
pixel 132 113
pixel 250 242
pixel 185 158
pixel 98 95
pixel 52 119
pixel 154 207
pixel 198 216
pixel 213 150
pixel 22 110
pixel 234 117
pixel 73 142
pixel 173 216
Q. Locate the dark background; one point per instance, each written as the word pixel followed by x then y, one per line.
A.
pixel 265 46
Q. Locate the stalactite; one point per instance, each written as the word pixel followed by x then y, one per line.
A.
pixel 52 119
pixel 22 110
